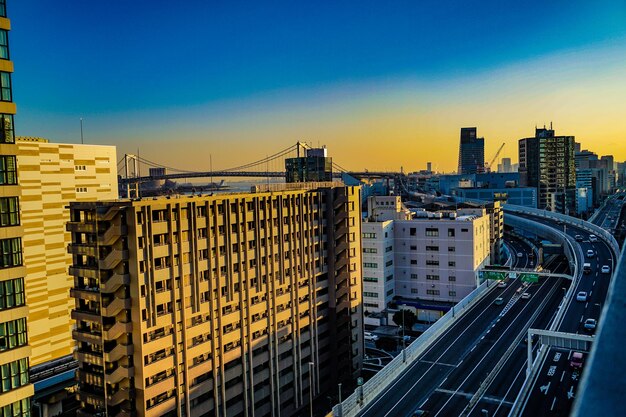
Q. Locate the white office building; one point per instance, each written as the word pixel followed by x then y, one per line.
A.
pixel 428 256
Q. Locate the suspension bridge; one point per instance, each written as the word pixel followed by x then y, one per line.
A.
pixel 130 168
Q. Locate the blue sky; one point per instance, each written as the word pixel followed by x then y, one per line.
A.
pixel 121 60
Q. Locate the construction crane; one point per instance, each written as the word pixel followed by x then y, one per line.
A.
pixel 490 164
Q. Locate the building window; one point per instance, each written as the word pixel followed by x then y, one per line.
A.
pixel 388 248
pixel 452 293
pixel 368 235
pixel 18 408
pixel 370 265
pixel 432 262
pixel 12 293
pixel 3 13
pixel 8 170
pixel 413 290
pixel 451 263
pixel 390 292
pixel 11 252
pixel 413 247
pixel 6 129
pixel 389 262
pixel 370 294
pixel 413 276
pixel 389 277
pixel 13 375
pixel 464 230
pixel 432 292
pixel 451 278
pixel 432 248
pixel 370 250
pixel 9 211
pixel 450 232
pixel 5 86
pixel 432 232
pixel 370 279
pixel 412 231
pixel 13 334
pixel 432 277
pixel 4 44
pixel 451 249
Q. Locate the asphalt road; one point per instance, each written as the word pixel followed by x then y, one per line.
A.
pixel 460 359
pixel 554 390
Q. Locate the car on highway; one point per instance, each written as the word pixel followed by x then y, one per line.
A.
pixel 498 301
pixel 593 238
pixel 370 337
pixel 606 269
pixel 525 296
pixel 520 254
pixel 581 296
pixel 578 238
pixel 576 360
pixel 420 413
pixel 587 268
pixel 590 324
pixel 502 284
pixel 590 253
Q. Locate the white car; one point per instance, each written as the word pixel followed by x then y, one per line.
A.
pixel 606 269
pixel 590 324
pixel 593 238
pixel 590 253
pixel 525 296
pixel 581 296
pixel 520 254
pixel 501 284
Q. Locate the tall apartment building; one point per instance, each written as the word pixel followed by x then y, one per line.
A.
pixel 51 176
pixel 471 152
pixel 315 165
pixel 217 305
pixel 546 161
pixel 435 254
pixel 15 389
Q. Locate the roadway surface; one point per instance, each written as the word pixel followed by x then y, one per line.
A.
pixel 554 390
pixel 454 366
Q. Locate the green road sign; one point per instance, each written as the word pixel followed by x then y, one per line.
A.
pixel 533 278
pixel 495 275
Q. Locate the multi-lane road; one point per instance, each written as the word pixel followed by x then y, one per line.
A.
pixel 447 376
pixel 554 390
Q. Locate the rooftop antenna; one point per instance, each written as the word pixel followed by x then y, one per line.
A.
pixel 550 125
pixel 81 132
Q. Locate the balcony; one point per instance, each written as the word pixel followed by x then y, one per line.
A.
pixel 80 315
pixel 80 227
pixel 93 399
pixel 114 282
pixel 113 259
pixel 120 373
pixel 341 216
pixel 87 337
pixel 85 294
pixel 117 330
pixel 117 305
pixel 88 357
pixel 86 271
pixel 118 352
pixel 82 249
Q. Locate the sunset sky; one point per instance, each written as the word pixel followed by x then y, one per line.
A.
pixel 383 86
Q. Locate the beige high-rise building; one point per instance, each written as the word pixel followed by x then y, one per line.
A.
pixel 51 176
pixel 15 388
pixel 217 305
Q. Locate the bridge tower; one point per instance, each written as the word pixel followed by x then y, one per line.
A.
pixel 131 170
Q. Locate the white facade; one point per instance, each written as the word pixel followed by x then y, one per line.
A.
pixel 435 256
pixel 378 268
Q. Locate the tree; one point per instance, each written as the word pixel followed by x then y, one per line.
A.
pixel 409 318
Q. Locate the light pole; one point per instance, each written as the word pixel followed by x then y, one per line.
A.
pixel 311 389
pixel 340 406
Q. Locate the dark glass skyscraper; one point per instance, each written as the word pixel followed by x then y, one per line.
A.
pixel 471 152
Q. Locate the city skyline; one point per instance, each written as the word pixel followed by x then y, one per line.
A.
pixel 258 79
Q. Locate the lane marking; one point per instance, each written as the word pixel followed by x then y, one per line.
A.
pixel 553 401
